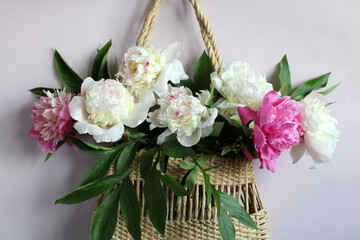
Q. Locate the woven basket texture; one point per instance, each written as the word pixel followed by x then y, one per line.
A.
pixel 188 218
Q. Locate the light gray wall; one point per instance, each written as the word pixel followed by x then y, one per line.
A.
pixel 318 35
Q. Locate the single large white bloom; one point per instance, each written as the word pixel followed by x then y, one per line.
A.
pixel 145 70
pixel 184 115
pixel 321 133
pixel 240 86
pixel 103 108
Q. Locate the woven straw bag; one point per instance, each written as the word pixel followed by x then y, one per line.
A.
pixel 189 218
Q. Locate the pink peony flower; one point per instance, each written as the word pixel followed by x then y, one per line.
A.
pixel 51 118
pixel 277 127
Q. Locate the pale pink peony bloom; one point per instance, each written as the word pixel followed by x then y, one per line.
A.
pixel 277 127
pixel 51 118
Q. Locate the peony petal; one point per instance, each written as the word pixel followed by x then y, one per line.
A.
pixel 77 109
pixel 259 137
pixel 246 114
pixel 316 166
pixel 217 81
pixel 112 134
pixel 153 120
pixel 270 98
pixel 137 115
pixel 210 121
pixel 206 131
pixel 165 136
pixel 191 140
pixel 266 114
pixel 174 72
pixel 247 154
pixel 85 127
pixel 318 147
pixel 47 146
pixel 204 97
pixel 271 165
pixel 315 95
pixel 34 132
pixel 268 156
pixel 297 151
pixel 147 97
pixel 85 85
pixel 65 113
pixel 173 51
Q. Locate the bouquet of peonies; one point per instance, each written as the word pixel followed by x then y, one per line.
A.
pixel 150 103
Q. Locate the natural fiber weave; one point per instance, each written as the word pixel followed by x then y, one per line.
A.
pixel 191 219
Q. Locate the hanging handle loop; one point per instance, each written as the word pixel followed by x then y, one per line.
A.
pixel 206 31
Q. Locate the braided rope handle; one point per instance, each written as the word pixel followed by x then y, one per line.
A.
pixel 206 31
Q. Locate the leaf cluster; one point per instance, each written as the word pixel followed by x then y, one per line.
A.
pixel 304 89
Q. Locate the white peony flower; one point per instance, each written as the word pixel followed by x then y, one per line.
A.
pixel 184 115
pixel 321 133
pixel 103 108
pixel 145 70
pixel 240 86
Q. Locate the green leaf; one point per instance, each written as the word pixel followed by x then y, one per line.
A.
pixel 219 69
pixel 187 165
pixel 173 185
pixel 201 160
pixel 284 90
pixel 40 91
pixel 236 121
pixel 190 179
pixel 309 86
pixel 48 156
pixel 174 149
pixel 236 210
pixel 138 135
pixel 130 208
pixel 217 127
pixel 67 74
pixel 99 68
pixel 226 150
pixel 250 124
pixel 285 77
pixel 58 145
pixel 91 190
pixel 105 218
pixel 207 145
pixel 188 83
pixel 135 133
pixel 207 188
pixel 202 72
pixel 226 227
pixel 101 167
pixel 250 147
pixel 155 200
pixel 213 96
pixel 158 165
pixel 165 161
pixel 216 196
pixel 88 147
pixel 329 90
pixel 146 161
pixel 106 71
pixel 127 157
